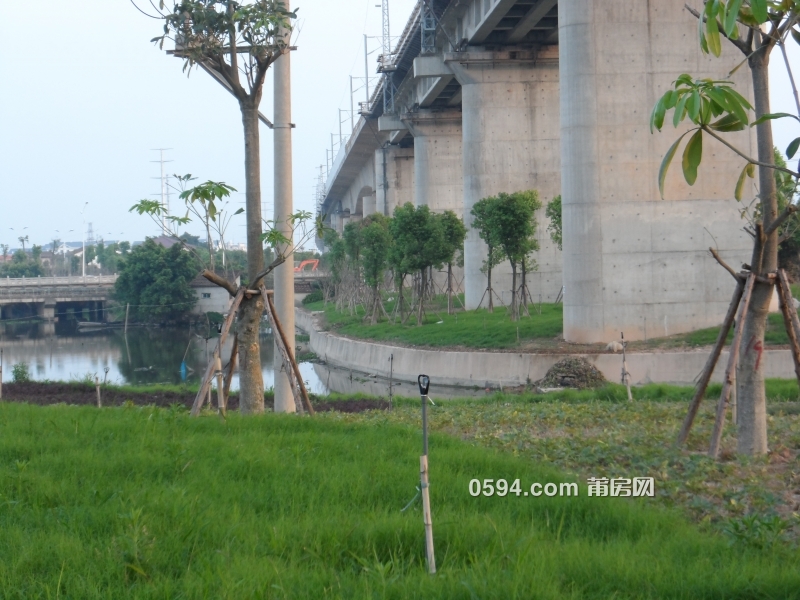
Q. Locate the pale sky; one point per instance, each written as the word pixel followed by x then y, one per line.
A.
pixel 85 97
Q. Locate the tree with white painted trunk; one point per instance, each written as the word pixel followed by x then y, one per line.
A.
pixel 714 108
pixel 237 42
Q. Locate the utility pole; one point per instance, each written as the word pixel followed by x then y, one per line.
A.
pixel 83 243
pixel 284 274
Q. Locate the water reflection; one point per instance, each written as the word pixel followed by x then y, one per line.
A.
pixel 62 352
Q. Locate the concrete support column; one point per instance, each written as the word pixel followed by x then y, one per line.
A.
pixel 284 274
pixel 438 160
pixel 394 178
pixel 369 204
pixel 510 144
pixel 635 263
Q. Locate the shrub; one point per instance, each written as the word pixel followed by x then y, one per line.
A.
pixel 315 296
pixel 20 373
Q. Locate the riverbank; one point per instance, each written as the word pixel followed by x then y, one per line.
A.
pixel 483 369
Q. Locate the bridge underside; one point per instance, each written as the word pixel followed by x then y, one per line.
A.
pixel 534 94
pixel 81 310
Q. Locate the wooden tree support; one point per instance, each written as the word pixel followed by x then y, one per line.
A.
pixel 299 392
pixel 205 385
pixel 711 363
pixel 724 397
pixel 790 319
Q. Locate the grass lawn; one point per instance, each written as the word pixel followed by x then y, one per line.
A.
pixel 471 329
pixel 147 502
pixel 484 330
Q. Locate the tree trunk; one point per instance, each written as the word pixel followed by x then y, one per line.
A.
pixel 449 288
pixel 524 287
pixel 489 285
pixel 421 296
pixel 375 300
pixel 752 406
pixel 251 381
pixel 514 304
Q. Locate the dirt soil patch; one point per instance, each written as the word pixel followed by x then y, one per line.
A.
pixel 573 373
pixel 44 394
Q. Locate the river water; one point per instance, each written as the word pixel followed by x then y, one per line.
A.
pixel 62 352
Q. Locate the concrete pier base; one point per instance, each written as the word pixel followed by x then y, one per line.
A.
pixel 510 144
pixel 635 263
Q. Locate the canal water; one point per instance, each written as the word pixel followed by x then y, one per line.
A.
pixel 62 352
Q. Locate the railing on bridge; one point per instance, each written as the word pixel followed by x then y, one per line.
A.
pixel 93 280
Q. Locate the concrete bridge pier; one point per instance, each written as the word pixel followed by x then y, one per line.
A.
pixel 510 143
pixel 635 263
pixel 438 159
pixel 394 178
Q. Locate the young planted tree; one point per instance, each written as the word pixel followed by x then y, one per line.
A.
pixel 453 232
pixel 238 41
pixel 374 241
pixel 553 212
pixel 484 214
pixel 714 108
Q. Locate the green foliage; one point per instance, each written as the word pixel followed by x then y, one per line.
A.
pixel 484 213
pixel 155 281
pixel 125 502
pixel 454 234
pixel 22 264
pixel 553 212
pixel 374 240
pixel 418 237
pixel 20 373
pixel 315 296
pixel 335 257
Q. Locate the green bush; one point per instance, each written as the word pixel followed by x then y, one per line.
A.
pixel 315 296
pixel 20 373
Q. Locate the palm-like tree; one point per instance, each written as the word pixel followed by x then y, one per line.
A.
pixel 22 239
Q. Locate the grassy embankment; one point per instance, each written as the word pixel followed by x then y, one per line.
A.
pixel 481 329
pixel 146 502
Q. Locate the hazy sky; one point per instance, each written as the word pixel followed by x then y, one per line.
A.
pixel 85 98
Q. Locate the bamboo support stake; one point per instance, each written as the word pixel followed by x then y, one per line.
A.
pixel 1 374
pixel 626 377
pixel 226 386
pixel 790 319
pixel 708 370
pixel 722 405
pixel 206 382
pixel 426 513
pixel 290 364
pixel 97 389
pixel 220 392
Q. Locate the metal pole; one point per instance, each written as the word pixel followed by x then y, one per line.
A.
pixel 340 127
pixel 284 274
pixel 424 383
pixel 83 243
pixel 366 72
pixel 352 121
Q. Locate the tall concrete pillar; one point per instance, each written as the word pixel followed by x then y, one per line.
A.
pixel 510 144
pixel 394 178
pixel 284 274
pixel 635 263
pixel 369 204
pixel 438 160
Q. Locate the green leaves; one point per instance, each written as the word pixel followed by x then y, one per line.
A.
pixel 748 171
pixel 662 171
pixel 702 100
pixel 759 8
pixel 791 149
pixel 771 116
pixel 692 155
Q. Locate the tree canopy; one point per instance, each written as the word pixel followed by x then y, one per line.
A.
pixel 155 282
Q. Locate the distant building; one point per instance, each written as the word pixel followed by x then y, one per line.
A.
pixel 211 297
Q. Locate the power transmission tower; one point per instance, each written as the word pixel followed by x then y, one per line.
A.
pixel 164 193
pixel 386 63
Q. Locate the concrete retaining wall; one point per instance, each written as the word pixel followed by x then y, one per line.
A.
pixel 492 369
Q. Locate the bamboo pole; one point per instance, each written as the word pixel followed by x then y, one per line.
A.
pixel 127 309
pixel 97 389
pixel 206 382
pixel 292 370
pixel 226 386
pixel 1 374
pixel 221 408
pixel 426 513
pixel 626 377
pixel 792 327
pixel 708 370
pixel 722 405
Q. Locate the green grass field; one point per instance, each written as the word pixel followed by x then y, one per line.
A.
pixel 482 329
pixel 150 503
pixel 471 329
